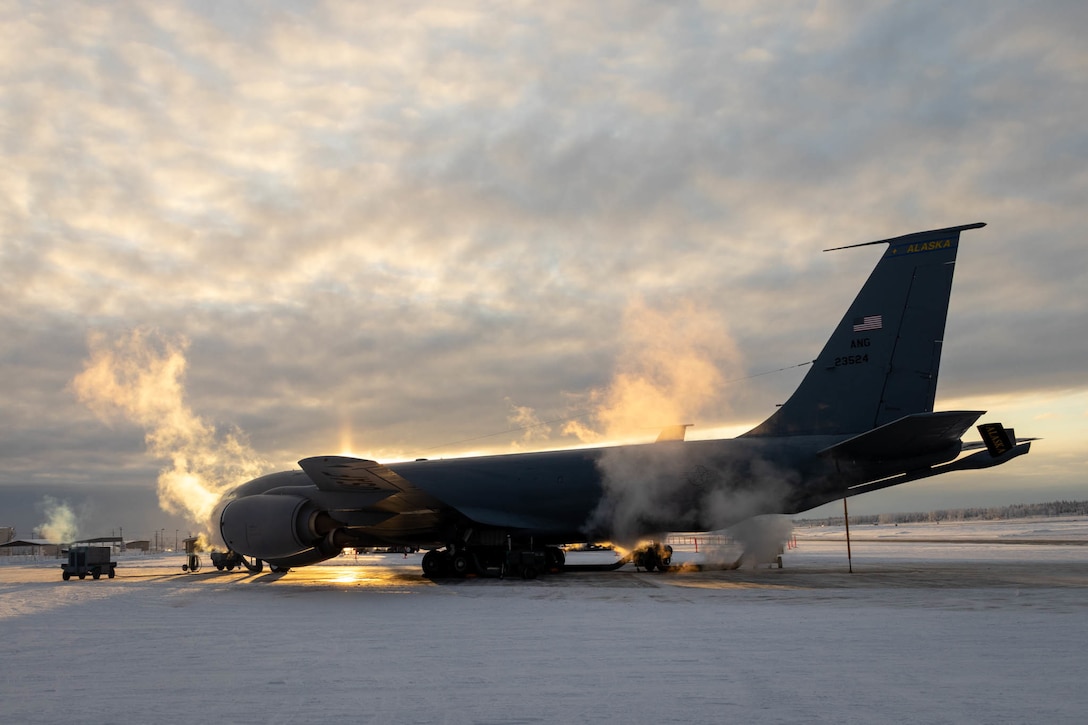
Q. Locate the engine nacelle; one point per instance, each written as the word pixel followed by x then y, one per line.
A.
pixel 272 526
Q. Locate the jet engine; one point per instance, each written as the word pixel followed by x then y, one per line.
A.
pixel 276 526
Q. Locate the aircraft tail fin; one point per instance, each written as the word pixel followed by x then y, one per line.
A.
pixel 881 362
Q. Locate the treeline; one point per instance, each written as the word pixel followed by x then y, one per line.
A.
pixel 991 513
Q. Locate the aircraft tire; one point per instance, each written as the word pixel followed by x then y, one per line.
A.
pixel 434 564
pixel 460 564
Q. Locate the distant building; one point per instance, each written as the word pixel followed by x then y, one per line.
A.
pixel 30 547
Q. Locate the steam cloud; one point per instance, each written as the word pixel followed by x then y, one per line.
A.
pixel 762 538
pixel 139 378
pixel 60 524
pixel 670 370
pixel 664 487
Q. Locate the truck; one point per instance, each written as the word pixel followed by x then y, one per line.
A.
pixel 84 560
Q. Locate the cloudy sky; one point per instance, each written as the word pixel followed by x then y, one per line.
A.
pixel 280 229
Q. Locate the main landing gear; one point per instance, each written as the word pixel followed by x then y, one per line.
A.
pixel 492 561
pixel 528 562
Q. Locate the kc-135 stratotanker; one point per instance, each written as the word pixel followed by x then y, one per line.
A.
pixel 861 420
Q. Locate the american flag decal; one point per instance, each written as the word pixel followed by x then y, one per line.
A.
pixel 869 322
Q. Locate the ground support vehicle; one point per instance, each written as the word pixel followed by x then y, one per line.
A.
pixel 84 560
pixel 653 556
pixel 192 560
pixel 231 560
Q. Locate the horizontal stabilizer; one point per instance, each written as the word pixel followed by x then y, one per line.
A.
pixel 912 435
pixel 974 462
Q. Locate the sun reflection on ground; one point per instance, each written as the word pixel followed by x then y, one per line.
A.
pixel 374 572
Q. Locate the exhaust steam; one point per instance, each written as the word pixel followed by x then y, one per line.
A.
pixel 139 378
pixel 61 525
pixel 671 370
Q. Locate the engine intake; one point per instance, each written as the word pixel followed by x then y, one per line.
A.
pixel 273 526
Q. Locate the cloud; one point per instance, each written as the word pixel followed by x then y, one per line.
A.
pixel 404 217
pixel 669 370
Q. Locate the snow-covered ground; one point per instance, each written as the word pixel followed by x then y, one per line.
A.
pixel 928 629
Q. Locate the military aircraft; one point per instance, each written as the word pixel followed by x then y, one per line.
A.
pixel 861 420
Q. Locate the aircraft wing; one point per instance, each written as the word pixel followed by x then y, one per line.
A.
pixel 345 475
pixel 340 473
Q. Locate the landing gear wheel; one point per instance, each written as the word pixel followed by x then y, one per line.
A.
pixel 461 564
pixel 435 564
pixel 554 558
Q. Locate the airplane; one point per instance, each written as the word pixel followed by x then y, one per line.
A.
pixel 861 420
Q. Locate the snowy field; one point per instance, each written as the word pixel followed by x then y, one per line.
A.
pixel 950 623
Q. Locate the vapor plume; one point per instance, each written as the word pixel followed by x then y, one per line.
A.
pixel 661 487
pixel 672 369
pixel 60 524
pixel 761 538
pixel 139 378
pixel 669 370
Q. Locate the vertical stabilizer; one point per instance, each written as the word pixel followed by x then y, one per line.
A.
pixel 881 362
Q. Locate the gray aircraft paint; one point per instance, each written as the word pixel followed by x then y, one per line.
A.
pixel 862 419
